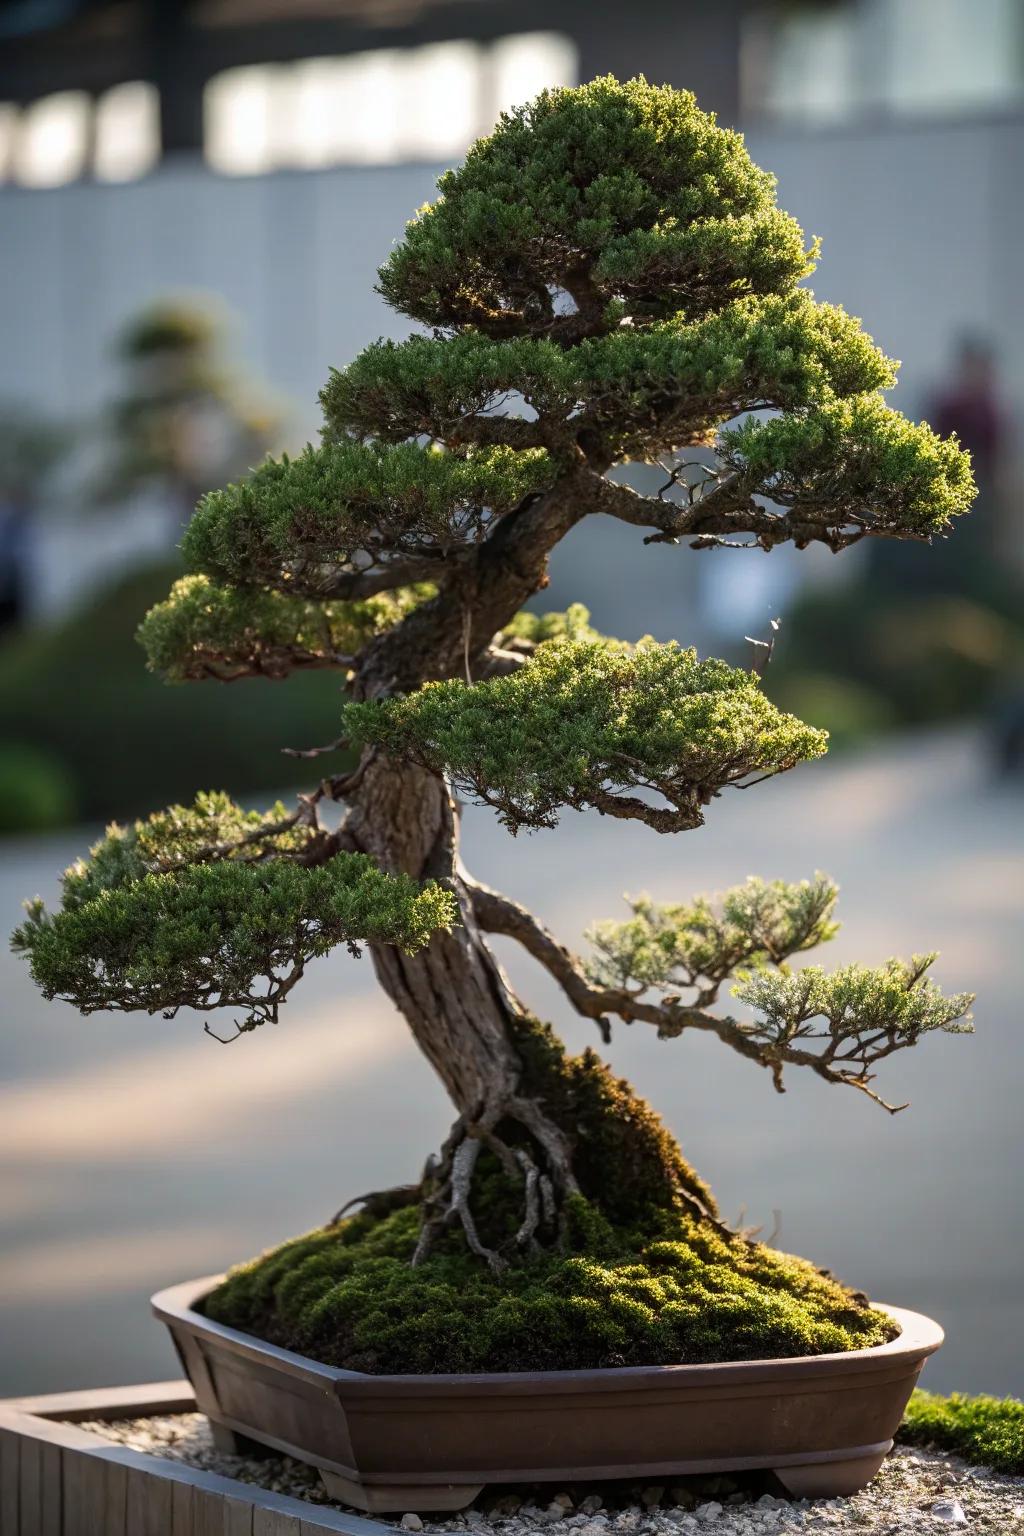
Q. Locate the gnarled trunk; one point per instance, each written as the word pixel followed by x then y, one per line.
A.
pixel 557 1125
pixel 451 994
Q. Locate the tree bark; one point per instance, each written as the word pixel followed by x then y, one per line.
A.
pixel 451 994
pixel 515 1091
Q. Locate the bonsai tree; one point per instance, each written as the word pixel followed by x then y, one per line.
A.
pixel 184 420
pixel 606 279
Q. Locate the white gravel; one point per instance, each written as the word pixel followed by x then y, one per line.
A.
pixel 918 1492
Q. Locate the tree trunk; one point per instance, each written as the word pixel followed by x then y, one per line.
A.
pixel 558 1126
pixel 451 994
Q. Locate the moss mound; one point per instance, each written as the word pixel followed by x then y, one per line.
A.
pixel 347 1296
pixel 624 1159
pixel 987 1430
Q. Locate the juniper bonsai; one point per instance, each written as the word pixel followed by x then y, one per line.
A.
pixel 606 279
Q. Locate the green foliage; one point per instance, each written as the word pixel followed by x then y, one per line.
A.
pixel 986 1430
pixel 630 187
pixel 203 630
pixel 671 1294
pixel 144 926
pixel 536 628
pixel 897 999
pixel 171 326
pixel 292 520
pixel 179 835
pixel 36 789
pixel 645 390
pixel 855 456
pixel 702 942
pixel 78 692
pixel 581 721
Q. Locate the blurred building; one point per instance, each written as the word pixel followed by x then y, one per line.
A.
pixel 269 152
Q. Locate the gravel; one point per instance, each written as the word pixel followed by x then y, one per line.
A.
pixel 915 1492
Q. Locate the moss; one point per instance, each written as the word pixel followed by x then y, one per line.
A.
pixel 987 1430
pixel 347 1296
pixel 626 1162
pixel 642 1279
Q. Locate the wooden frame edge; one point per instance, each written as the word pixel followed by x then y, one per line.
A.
pixel 59 1480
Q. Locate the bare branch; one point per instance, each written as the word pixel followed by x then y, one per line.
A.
pixel 499 914
pixel 497 432
pixel 380 578
pixel 725 507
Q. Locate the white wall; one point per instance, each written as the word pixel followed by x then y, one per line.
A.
pixel 293 255
pixel 922 228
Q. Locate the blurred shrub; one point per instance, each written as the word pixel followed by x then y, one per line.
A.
pixel 869 657
pixel 79 695
pixel 37 791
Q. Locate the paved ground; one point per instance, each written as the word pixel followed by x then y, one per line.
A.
pixel 135 1152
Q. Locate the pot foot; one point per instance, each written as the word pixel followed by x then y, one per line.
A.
pixel 829 1479
pixel 399 1498
pixel 232 1443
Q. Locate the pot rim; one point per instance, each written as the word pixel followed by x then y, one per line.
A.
pixel 919 1337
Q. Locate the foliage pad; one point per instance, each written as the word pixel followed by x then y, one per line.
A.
pixel 699 943
pixel 154 921
pixel 853 458
pixel 294 522
pixel 202 630
pixel 629 185
pixel 583 721
pixel 896 999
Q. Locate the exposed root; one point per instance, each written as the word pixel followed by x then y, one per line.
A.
pixel 544 1175
pixel 381 1202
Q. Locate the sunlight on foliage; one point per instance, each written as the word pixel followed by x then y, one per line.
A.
pixel 699 943
pixel 582 721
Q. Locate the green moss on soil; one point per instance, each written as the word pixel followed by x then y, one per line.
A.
pixel 986 1430
pixel 347 1296
pixel 644 1278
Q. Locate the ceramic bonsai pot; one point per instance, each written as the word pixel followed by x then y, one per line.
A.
pixel 821 1423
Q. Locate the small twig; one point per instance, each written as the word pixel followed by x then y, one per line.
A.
pixel 764 649
pixel 331 746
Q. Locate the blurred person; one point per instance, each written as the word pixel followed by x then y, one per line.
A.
pixel 970 405
pixel 926 635
pixel 30 450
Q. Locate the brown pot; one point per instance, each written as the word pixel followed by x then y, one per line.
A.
pixel 821 1423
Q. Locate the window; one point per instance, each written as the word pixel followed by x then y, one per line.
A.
pixel 947 56
pixel 51 140
pixel 379 107
pixel 819 61
pixel 59 138
pixel 127 131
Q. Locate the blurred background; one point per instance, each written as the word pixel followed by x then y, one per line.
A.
pixel 194 198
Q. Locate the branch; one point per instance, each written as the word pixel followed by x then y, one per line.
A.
pixel 729 508
pixel 382 578
pixel 499 661
pixel 499 914
pixel 496 432
pixel 273 662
